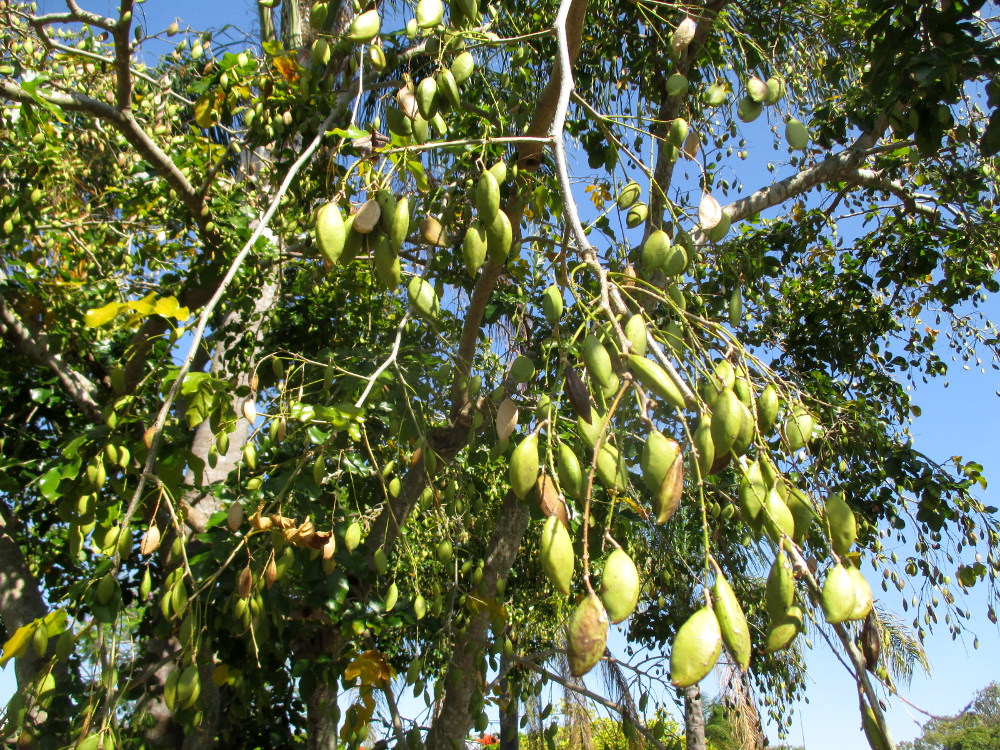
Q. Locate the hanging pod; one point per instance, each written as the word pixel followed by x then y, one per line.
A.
pixel 732 621
pixel 619 586
pixel 587 636
pixel 558 558
pixel 524 466
pixel 696 648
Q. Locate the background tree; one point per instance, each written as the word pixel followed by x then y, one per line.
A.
pixel 978 726
pixel 320 384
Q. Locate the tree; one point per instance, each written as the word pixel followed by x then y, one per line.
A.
pixel 309 334
pixel 978 726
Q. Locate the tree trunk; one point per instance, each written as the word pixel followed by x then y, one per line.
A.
pixel 694 719
pixel 510 737
pixel 453 723
pixel 321 722
pixel 21 602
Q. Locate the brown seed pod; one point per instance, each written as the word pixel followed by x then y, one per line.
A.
pixel 579 396
pixel 150 541
pixel 244 581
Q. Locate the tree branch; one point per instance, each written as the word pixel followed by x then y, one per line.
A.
pixel 876 180
pixel 35 346
pixel 836 167
pixel 529 154
pixel 124 123
pixel 21 599
pixel 454 721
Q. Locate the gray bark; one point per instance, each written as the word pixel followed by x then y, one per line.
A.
pixel 321 724
pixel 455 720
pixel 510 737
pixel 21 602
pixel 694 719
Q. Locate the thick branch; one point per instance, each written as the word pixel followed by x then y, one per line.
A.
pixel 529 154
pixel 670 108
pixel 125 124
pixel 20 597
pixel 837 167
pixel 123 54
pixel 455 719
pixel 871 178
pixel 35 346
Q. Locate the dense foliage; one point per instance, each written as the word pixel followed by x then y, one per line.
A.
pixel 387 351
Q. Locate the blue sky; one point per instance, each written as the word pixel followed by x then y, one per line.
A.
pixel 958 420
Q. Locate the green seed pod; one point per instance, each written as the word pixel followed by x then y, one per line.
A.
pixel 524 466
pixel 778 519
pixel 429 13
pixel 727 418
pixel 779 592
pixel 427 98
pixel 704 447
pixel 783 630
pixel 474 248
pixel 487 198
pixel 677 85
pixel 655 379
pixel 552 304
pixel 423 298
pixel 619 586
pixel 635 332
pixel 628 195
pixel 386 262
pixel 843 524
pixel 598 360
pixel 352 536
pixel 696 648
pixel 364 27
pixel 462 67
pixel 636 215
pixel 796 135
pixel 558 557
pixel 662 470
pixel 863 599
pixel 798 428
pixel 838 595
pixel 499 237
pixel 569 471
pixel 448 87
pixel 767 409
pixel 654 251
pixel 752 496
pixel 732 621
pixel 397 216
pixel 748 110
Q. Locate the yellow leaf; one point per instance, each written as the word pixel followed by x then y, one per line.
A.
pixel 169 307
pixel 101 315
pixel 55 622
pixel 18 643
pixel 371 667
pixel 144 306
